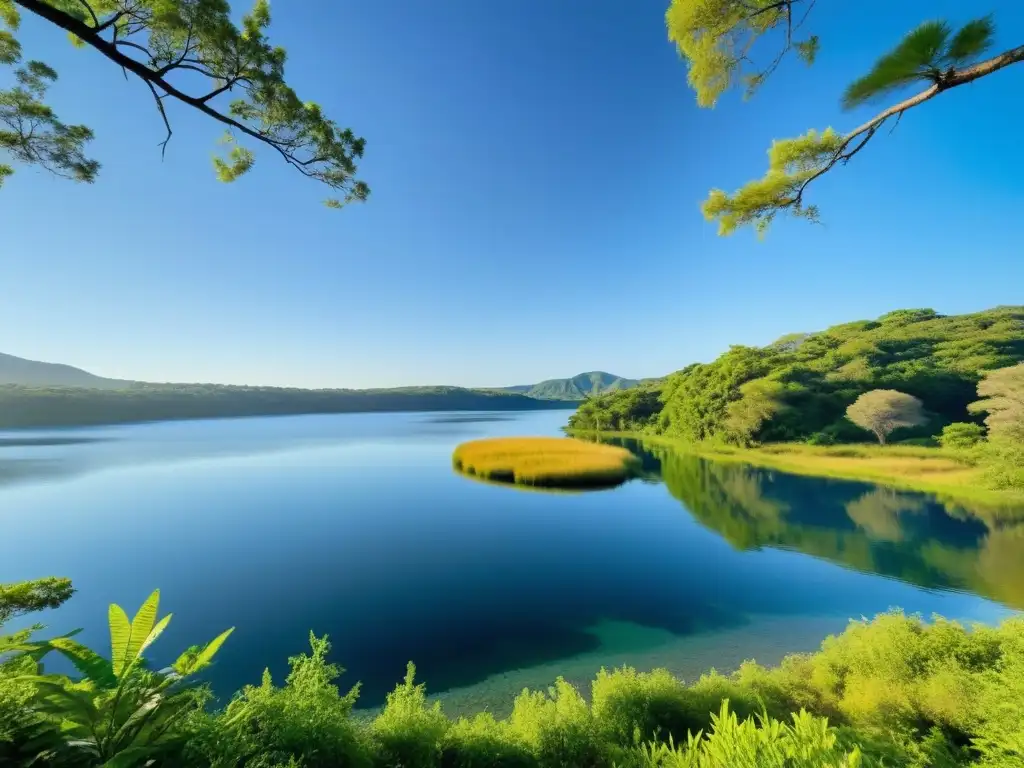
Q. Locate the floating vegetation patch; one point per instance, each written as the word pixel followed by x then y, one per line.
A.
pixel 547 462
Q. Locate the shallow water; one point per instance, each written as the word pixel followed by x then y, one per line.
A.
pixel 355 525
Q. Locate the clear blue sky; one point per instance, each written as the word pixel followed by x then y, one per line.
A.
pixel 536 170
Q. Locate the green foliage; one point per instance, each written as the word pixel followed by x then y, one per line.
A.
pixel 119 712
pixel 716 38
pixel 1002 398
pixel 792 165
pixel 806 742
pixel 409 732
pixel 185 51
pixel 30 131
pixel 800 387
pixel 899 691
pixel 720 39
pixel 32 596
pixel 307 722
pixel 926 54
pixel 881 411
pixel 558 728
pixel 961 435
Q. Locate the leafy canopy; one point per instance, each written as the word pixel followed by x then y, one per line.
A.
pixel 721 40
pixel 187 52
pixel 883 410
pixel 1002 398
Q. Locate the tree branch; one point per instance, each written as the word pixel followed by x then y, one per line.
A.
pixel 163 113
pixel 109 49
pixel 92 13
pixel 951 79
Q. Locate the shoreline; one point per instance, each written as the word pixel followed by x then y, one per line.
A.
pixel 910 468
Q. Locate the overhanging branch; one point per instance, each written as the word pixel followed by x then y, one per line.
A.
pixel 153 78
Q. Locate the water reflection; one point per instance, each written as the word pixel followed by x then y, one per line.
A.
pixel 908 536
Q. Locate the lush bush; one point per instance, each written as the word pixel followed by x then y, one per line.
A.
pixel 961 435
pixel 894 691
pixel 307 721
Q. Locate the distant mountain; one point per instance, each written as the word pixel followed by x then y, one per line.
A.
pixel 577 388
pixel 30 373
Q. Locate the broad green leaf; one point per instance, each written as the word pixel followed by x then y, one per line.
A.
pixel 142 625
pixel 155 633
pixel 88 662
pixel 120 636
pixel 207 654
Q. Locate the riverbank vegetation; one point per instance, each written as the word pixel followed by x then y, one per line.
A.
pixel 963 371
pixel 891 691
pixel 26 407
pixel 545 462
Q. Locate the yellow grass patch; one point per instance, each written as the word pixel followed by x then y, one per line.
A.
pixel 556 462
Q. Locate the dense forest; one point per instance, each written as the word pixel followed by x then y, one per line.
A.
pixel 799 387
pixel 67 406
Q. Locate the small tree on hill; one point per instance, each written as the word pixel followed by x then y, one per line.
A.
pixel 1002 398
pixel 883 410
pixel 961 435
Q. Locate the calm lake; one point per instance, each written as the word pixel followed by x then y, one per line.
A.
pixel 355 526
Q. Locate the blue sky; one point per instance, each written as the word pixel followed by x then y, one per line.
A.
pixel 536 170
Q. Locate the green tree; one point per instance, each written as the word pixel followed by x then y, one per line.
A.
pixel 1002 398
pixel 721 40
pixel 961 435
pixel 881 411
pixel 189 53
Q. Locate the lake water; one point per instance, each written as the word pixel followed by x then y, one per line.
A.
pixel 355 525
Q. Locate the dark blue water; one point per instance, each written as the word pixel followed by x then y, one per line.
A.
pixel 356 526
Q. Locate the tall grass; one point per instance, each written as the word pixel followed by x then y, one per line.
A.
pixel 545 461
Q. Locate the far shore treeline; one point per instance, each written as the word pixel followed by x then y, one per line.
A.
pixel 800 387
pixel 22 407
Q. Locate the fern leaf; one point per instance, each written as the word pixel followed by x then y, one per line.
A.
pixel 142 625
pixel 206 655
pixel 120 636
pixel 155 633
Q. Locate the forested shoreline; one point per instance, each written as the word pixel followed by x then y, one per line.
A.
pixel 911 377
pixel 27 407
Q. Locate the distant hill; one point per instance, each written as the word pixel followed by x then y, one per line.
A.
pixel 30 373
pixel 577 388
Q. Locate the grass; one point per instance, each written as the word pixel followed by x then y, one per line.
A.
pixel 948 475
pixel 551 462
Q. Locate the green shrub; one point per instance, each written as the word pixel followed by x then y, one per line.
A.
pixel 307 722
pixel 483 742
pixel 558 728
pixel 409 733
pixel 805 742
pixel 822 438
pixel 961 435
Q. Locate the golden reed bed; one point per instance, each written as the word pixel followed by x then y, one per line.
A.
pixel 551 462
